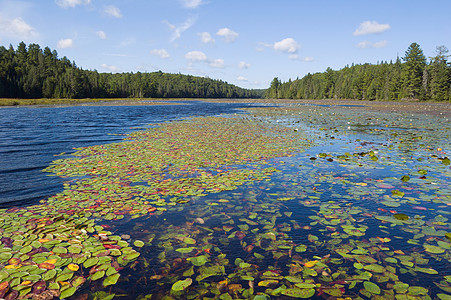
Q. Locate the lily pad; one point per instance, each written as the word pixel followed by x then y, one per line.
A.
pixel 299 293
pixel 110 280
pixel 198 260
pixel 371 287
pixel 182 284
pixel 433 249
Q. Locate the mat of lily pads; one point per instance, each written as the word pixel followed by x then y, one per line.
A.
pixel 287 202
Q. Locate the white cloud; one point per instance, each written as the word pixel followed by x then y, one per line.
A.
pixel 101 34
pixel 380 44
pixel 244 65
pixel 206 38
pixel 180 29
pixel 293 56
pixel 160 52
pixel 287 45
pixel 370 27
pixel 71 3
pixel 217 63
pixel 199 56
pixel 110 68
pixel 16 28
pixel 242 78
pixel 65 43
pixel 191 3
pixel 367 44
pixel 308 59
pixel 196 56
pixel 113 11
pixel 228 34
pixel 127 42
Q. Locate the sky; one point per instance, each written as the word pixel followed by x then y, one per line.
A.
pixel 242 42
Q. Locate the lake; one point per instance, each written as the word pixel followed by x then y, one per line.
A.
pixel 226 201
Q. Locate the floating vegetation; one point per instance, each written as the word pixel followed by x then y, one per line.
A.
pixel 244 207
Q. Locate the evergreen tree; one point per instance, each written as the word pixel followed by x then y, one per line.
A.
pixel 412 74
pixel 440 81
pixel 32 72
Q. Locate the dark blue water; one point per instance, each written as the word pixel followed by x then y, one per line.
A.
pixel 30 137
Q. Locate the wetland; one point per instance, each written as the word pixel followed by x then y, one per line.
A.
pixel 251 199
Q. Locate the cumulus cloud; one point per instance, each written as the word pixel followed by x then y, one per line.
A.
pixel 101 34
pixel 16 27
pixel 228 34
pixel 217 63
pixel 110 68
pixel 206 38
pixel 196 56
pixel 371 27
pixel 244 65
pixel 191 3
pixel 367 44
pixel 242 78
pixel 178 30
pixel 65 43
pixel 288 45
pixel 308 59
pixel 113 11
pixel 160 52
pixel 71 3
pixel 199 56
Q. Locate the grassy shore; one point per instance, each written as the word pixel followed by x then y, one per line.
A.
pixel 103 101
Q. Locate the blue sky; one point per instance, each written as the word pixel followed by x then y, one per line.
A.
pixel 243 42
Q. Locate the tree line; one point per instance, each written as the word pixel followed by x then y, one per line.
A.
pixel 32 72
pixel 411 77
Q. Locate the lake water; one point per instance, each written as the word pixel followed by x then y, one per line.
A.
pixel 30 137
pixel 294 201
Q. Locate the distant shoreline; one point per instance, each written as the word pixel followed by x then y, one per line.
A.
pixel 433 108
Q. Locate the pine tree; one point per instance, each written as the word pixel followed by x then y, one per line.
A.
pixel 440 81
pixel 412 74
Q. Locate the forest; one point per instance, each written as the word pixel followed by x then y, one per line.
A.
pixel 32 72
pixel 411 77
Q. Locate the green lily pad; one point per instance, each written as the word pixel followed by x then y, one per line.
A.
pixel 189 240
pixel 206 272
pixel 299 293
pixel 198 260
pixel 68 292
pixel 417 290
pixel 91 262
pixel 371 287
pixel 426 270
pixel 433 249
pixel 97 275
pixel 138 243
pixel 182 284
pixel 358 266
pixel 50 274
pixel 375 268
pixel 110 280
pixel 185 250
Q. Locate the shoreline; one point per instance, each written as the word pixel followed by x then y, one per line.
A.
pixel 428 107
